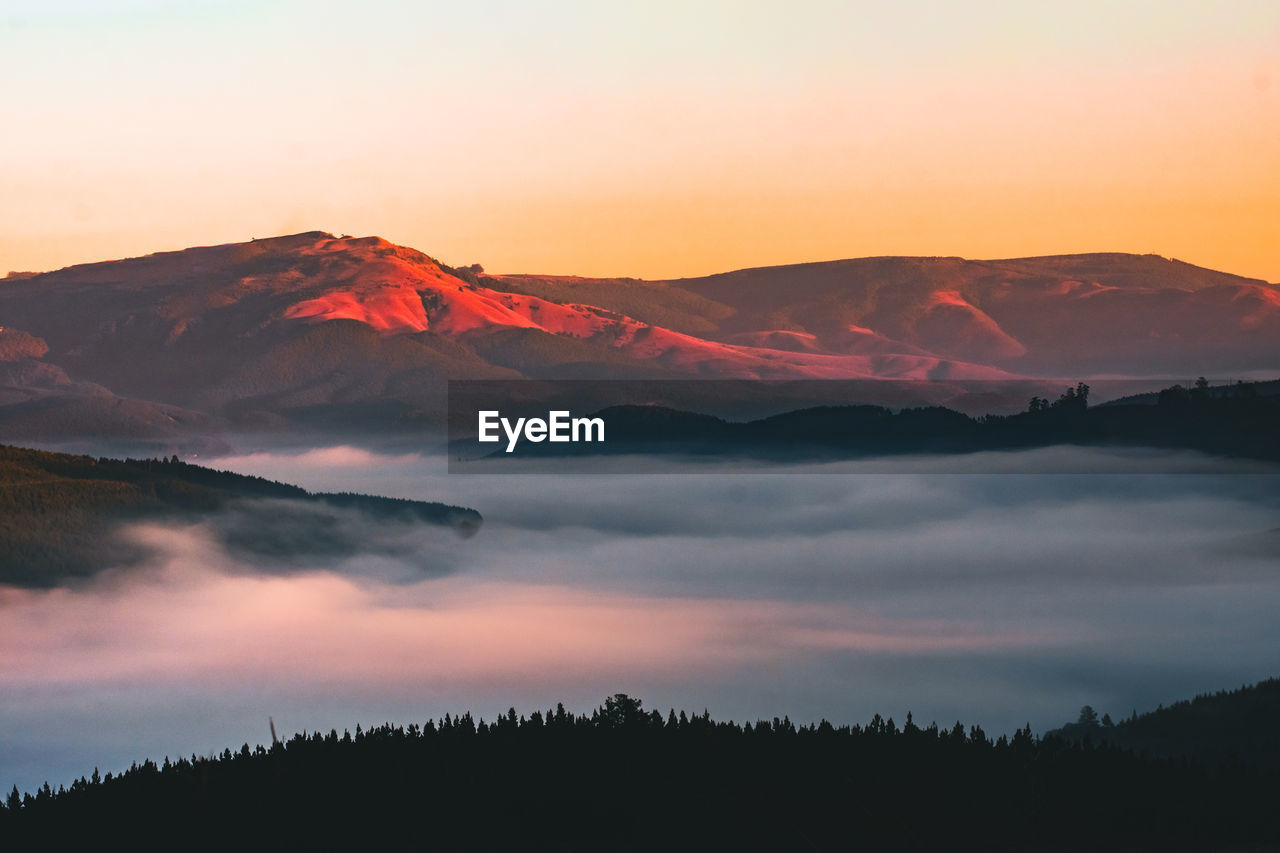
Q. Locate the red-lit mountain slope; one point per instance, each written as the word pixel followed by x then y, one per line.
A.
pixel 255 330
pixel 1068 315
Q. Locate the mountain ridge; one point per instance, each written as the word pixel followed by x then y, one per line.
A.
pixel 286 239
pixel 258 332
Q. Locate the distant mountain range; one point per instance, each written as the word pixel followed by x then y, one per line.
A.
pixel 341 331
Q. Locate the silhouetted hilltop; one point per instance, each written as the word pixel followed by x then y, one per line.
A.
pixel 1235 421
pixel 59 513
pixel 1237 726
pixel 622 778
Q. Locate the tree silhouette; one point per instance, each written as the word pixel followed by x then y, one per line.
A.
pixel 621 710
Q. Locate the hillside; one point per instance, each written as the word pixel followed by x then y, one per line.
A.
pixel 622 778
pixel 60 514
pixel 297 330
pixel 1053 316
pixel 1236 726
pixel 1240 421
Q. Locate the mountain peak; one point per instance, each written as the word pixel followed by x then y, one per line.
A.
pixel 293 238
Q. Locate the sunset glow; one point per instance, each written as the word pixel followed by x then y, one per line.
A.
pixel 652 140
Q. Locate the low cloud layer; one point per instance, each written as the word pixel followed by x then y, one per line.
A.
pixel 197 615
pixel 996 599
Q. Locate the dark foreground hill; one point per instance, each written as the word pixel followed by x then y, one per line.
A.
pixel 60 515
pixel 624 779
pixel 1230 726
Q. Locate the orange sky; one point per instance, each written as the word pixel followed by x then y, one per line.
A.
pixel 656 139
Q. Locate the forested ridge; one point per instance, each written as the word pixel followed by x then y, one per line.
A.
pixel 1237 420
pixel 59 512
pixel 625 778
pixel 1241 725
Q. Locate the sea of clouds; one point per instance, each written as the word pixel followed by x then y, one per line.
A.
pixel 997 599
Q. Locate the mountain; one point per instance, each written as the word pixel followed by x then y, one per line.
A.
pixel 1062 316
pixel 341 331
pixel 60 515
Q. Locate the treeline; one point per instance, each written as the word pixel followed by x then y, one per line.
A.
pixel 58 511
pixel 622 778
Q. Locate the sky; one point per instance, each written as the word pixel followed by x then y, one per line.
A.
pixel 655 139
